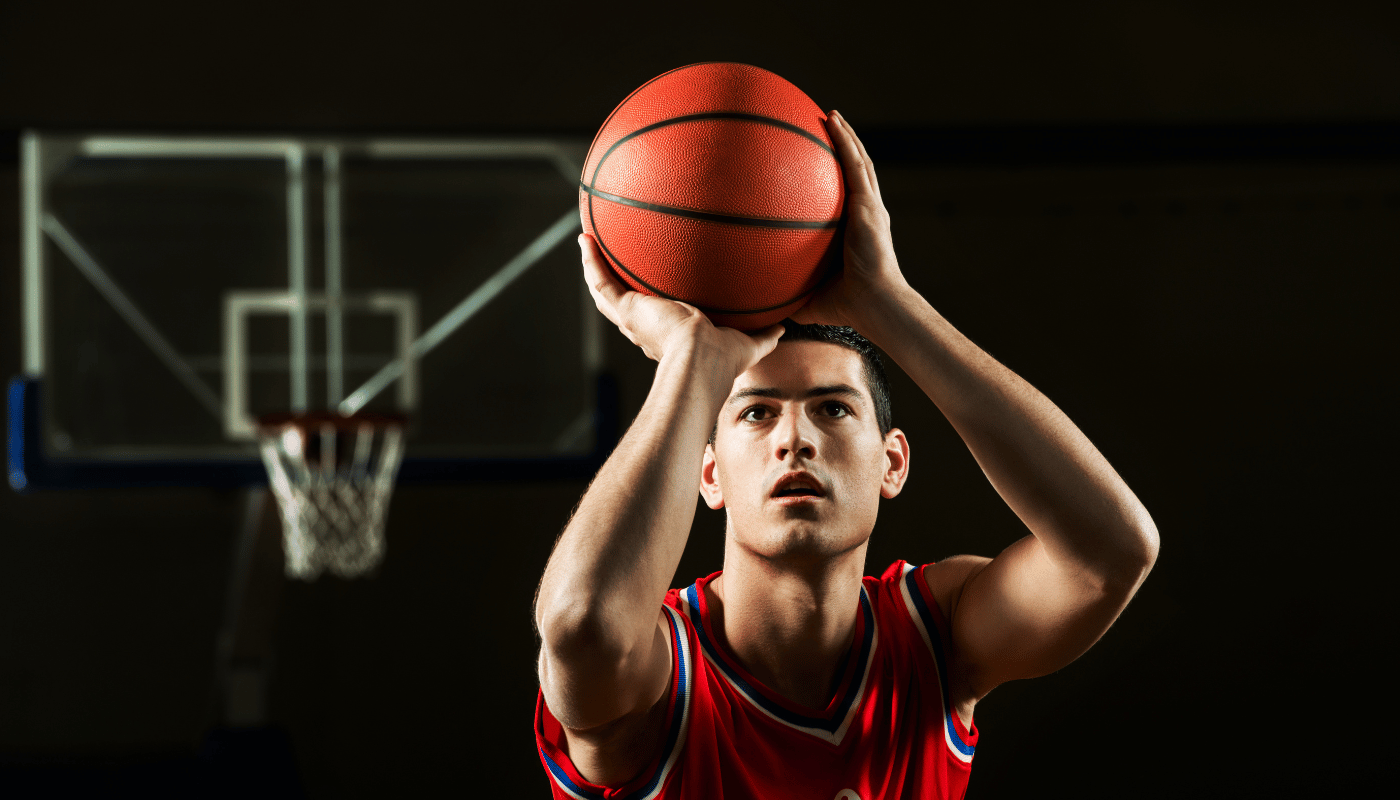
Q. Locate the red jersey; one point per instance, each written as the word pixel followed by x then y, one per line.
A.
pixel 888 732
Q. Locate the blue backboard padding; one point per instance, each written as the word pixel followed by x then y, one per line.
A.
pixel 30 468
pixel 14 434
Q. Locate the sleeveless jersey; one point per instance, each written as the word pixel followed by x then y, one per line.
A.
pixel 888 732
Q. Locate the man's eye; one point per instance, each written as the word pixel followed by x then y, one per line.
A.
pixel 834 409
pixel 754 414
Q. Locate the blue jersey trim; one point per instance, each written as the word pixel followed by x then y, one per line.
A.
pixel 935 638
pixel 563 778
pixel 786 715
pixel 677 716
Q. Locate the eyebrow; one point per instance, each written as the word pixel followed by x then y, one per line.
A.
pixel 778 394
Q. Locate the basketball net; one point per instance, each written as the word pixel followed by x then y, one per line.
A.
pixel 332 476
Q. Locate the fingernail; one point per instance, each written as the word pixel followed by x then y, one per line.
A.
pixel 580 239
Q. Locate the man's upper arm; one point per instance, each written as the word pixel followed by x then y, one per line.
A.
pixel 1021 615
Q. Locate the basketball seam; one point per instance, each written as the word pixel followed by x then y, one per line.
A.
pixel 709 216
pixel 634 92
pixel 590 186
pixel 598 237
pixel 739 115
pixel 624 102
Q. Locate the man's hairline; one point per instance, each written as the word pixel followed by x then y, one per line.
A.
pixel 840 346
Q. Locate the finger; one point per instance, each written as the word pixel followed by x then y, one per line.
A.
pixel 804 316
pixel 860 156
pixel 867 162
pixel 598 289
pixel 852 166
pixel 606 289
pixel 767 338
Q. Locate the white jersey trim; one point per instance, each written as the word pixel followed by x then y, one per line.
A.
pixel 680 724
pixel 827 734
pixel 962 751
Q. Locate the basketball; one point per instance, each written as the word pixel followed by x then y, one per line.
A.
pixel 716 184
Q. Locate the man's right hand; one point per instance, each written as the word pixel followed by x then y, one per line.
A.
pixel 659 326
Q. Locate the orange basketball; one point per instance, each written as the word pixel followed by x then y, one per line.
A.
pixel 716 184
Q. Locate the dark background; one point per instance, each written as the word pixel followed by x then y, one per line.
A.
pixel 1215 316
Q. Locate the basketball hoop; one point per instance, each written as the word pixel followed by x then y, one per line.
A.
pixel 332 476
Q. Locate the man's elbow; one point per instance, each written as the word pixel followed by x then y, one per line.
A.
pixel 1137 555
pixel 584 635
pixel 571 631
pixel 591 672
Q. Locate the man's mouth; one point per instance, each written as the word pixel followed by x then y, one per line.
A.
pixel 798 484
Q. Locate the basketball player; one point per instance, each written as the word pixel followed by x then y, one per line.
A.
pixel 788 674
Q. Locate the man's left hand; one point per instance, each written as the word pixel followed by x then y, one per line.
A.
pixel 870 267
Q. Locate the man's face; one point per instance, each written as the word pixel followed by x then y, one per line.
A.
pixel 798 459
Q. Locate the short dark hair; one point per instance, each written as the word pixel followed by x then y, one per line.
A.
pixel 872 364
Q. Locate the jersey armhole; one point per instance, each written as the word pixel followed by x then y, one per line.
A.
pixel 934 629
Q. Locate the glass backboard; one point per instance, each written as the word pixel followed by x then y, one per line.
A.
pixel 176 288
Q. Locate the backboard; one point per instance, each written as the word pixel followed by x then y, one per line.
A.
pixel 176 287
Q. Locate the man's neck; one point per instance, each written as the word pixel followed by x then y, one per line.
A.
pixel 790 627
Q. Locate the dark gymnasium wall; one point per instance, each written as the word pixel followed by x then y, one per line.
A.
pixel 1177 220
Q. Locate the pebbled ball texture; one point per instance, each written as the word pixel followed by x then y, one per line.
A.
pixel 716 184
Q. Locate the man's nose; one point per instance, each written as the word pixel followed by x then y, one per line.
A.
pixel 793 437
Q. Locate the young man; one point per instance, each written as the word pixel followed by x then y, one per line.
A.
pixel 788 674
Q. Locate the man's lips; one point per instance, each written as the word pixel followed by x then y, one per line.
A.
pixel 796 500
pixel 797 487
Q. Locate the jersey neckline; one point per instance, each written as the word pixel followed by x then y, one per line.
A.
pixel 828 724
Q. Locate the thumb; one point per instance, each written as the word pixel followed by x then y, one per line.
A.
pixel 767 339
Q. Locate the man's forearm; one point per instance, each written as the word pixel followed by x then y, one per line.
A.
pixel 1040 463
pixel 616 558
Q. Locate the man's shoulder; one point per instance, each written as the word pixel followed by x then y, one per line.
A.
pixel 947 578
pixel 941 582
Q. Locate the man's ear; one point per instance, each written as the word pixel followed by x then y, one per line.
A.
pixel 709 480
pixel 896 463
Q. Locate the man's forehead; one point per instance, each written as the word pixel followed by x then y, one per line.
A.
pixel 795 367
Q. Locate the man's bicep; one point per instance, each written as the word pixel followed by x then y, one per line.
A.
pixel 1020 615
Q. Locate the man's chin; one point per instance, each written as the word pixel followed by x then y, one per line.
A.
pixel 800 540
pixel 806 509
